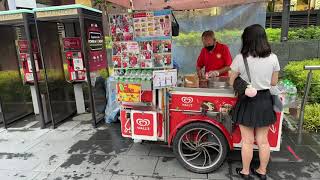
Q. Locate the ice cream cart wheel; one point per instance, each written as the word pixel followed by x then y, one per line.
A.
pixel 200 147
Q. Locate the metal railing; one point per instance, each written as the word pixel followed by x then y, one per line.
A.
pixel 304 99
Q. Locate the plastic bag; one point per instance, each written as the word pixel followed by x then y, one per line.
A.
pixel 112 110
pixel 290 91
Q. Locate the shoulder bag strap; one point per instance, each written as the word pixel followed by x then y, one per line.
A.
pixel 174 17
pixel 247 67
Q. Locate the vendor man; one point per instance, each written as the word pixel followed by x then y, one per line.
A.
pixel 214 57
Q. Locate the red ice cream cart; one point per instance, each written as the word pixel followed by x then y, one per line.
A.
pixel 195 122
pixel 156 106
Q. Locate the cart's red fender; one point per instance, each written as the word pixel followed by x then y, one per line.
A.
pixel 201 119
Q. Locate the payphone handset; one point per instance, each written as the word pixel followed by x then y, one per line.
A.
pixel 27 67
pixel 76 69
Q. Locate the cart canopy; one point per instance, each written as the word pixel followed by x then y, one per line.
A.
pixel 178 4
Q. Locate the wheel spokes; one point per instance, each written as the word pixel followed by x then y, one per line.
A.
pixel 197 140
pixel 205 158
pixel 189 145
pixel 200 148
pixel 202 137
pixel 195 157
pixel 211 145
pixel 206 152
pixel 193 154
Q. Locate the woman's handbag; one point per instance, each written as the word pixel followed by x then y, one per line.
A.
pixel 175 26
pixel 240 85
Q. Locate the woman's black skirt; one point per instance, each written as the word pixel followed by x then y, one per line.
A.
pixel 256 111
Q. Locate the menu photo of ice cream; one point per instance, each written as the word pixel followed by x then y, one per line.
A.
pixel 133 60
pixel 145 45
pixel 124 55
pixel 146 55
pixel 116 49
pixel 161 46
pixel 167 59
pixel 121 27
pixel 146 64
pixel 167 46
pixel 162 60
pixel 146 59
pixel 162 25
pixel 116 60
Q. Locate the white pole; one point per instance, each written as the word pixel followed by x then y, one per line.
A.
pixel 34 99
pixel 78 92
pixel 12 4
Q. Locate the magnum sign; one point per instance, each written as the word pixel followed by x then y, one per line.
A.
pixel 10 17
pixel 54 13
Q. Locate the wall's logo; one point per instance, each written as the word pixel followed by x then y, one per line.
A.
pixel 187 100
pixel 143 122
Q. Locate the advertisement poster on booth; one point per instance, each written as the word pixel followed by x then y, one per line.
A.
pixel 97 53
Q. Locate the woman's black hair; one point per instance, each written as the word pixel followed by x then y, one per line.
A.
pixel 255 42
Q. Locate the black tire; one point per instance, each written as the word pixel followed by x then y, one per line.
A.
pixel 223 147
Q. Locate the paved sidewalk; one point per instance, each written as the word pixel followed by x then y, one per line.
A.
pixel 77 151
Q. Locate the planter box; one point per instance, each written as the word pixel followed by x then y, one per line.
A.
pixel 281 50
pixel 300 50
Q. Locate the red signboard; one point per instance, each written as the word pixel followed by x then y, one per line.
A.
pixel 144 125
pixel 139 15
pixel 23 46
pixel 71 43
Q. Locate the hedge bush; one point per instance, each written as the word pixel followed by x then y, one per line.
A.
pixel 11 81
pixel 295 72
pixel 312 117
pixel 273 34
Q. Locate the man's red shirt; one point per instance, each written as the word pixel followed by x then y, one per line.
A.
pixel 216 59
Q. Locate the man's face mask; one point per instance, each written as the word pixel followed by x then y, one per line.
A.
pixel 208 43
pixel 209 48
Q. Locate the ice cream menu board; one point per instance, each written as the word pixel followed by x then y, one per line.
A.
pixel 141 39
pixel 143 54
pixel 150 25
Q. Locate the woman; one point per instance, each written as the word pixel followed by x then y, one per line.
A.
pixel 255 113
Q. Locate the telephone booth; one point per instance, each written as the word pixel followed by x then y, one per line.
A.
pixel 20 70
pixel 74 58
